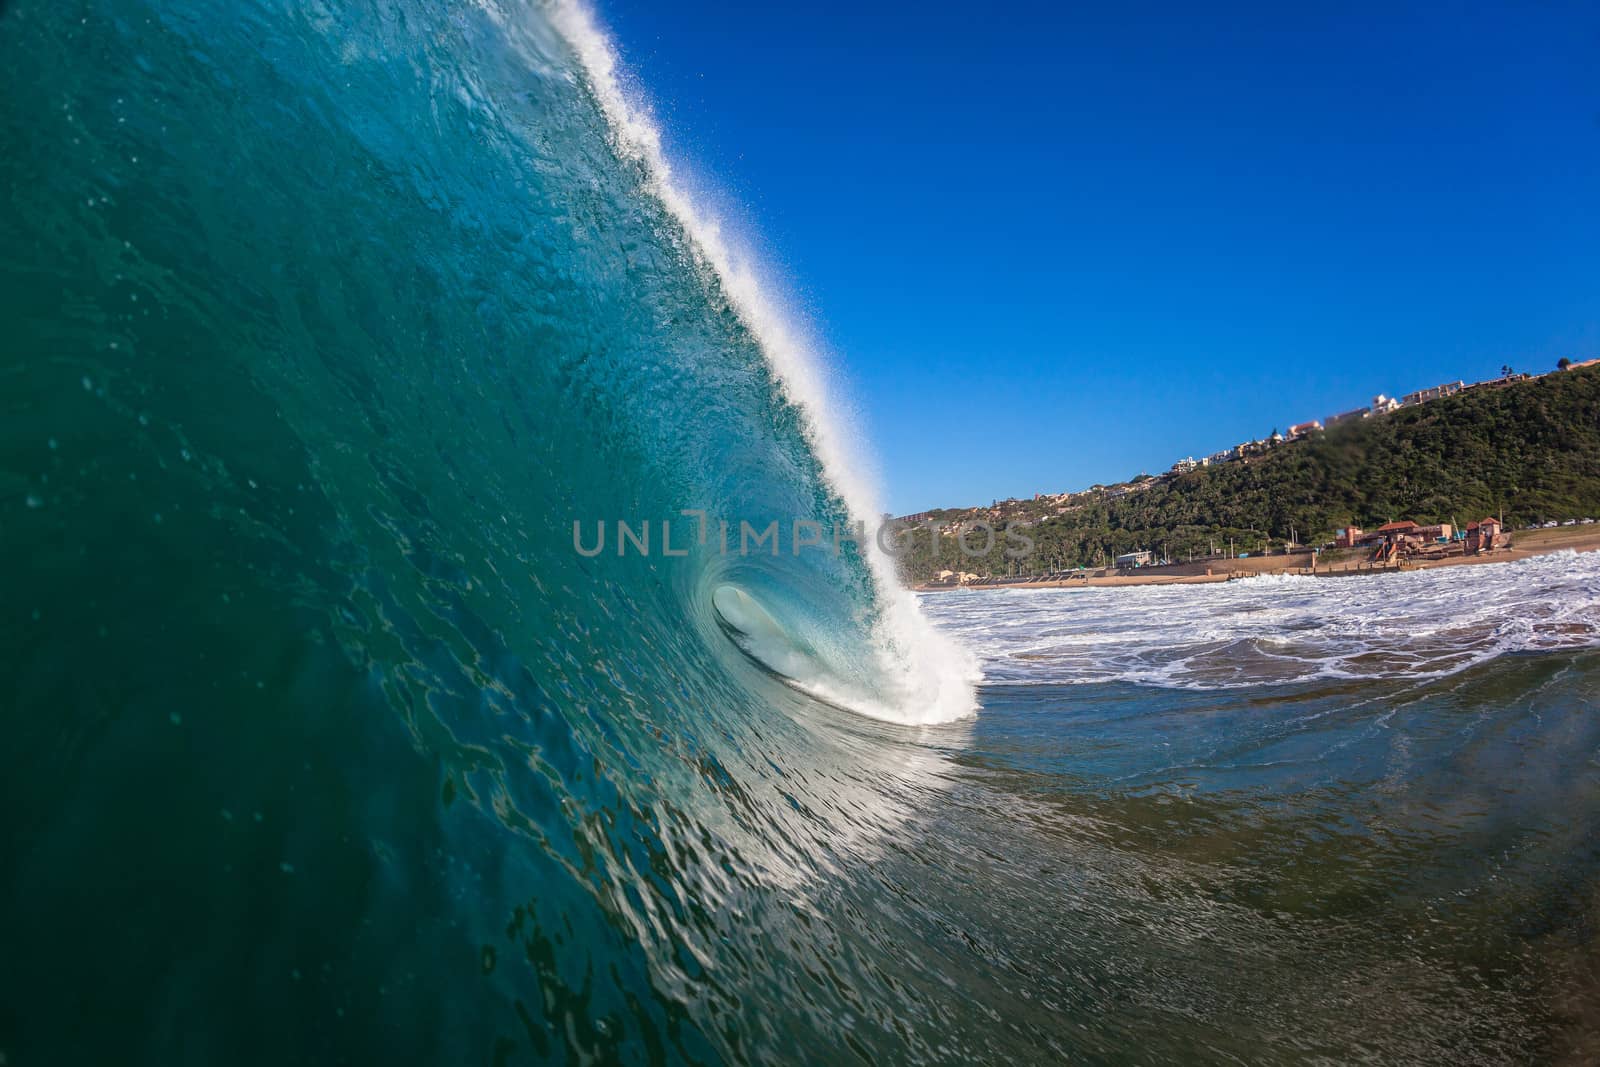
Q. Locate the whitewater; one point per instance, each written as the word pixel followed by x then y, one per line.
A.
pixel 320 742
pixel 1281 629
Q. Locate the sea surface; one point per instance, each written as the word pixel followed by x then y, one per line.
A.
pixel 1331 819
pixel 322 740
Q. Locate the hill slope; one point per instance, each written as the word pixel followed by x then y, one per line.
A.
pixel 1530 449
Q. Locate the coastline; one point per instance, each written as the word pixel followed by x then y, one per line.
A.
pixel 1525 544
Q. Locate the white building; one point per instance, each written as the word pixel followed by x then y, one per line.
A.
pixel 1422 396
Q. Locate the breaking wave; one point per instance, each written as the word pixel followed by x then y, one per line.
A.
pixel 1281 629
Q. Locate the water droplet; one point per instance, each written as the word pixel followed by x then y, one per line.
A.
pixel 251 482
pixel 286 868
pixel 88 385
pixel 227 816
pixel 53 444
pixel 144 420
pixel 33 501
pixel 185 454
pixel 175 719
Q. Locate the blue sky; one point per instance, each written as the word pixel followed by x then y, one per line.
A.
pixel 1052 245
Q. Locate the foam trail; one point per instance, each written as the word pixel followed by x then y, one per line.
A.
pixel 1282 629
pixel 932 679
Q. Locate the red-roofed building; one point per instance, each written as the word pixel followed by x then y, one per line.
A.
pixel 1484 536
pixel 1404 537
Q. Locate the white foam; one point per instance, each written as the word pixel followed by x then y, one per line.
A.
pixel 929 677
pixel 1281 629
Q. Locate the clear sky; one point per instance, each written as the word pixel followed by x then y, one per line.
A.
pixel 1055 244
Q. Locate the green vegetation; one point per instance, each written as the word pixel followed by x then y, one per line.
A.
pixel 1529 450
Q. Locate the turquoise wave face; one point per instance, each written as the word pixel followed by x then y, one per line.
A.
pixel 323 327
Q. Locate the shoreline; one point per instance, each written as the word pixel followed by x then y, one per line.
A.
pixel 1524 545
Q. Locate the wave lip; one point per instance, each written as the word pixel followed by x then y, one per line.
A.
pixel 924 675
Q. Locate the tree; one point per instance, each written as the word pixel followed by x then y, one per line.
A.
pixel 1506 371
pixel 1563 363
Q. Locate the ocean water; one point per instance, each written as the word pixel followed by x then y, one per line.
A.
pixel 321 742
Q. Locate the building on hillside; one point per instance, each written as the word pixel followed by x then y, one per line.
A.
pixel 1382 405
pixel 1185 465
pixel 1500 383
pixel 1422 396
pixel 1485 536
pixel 1346 416
pixel 1348 537
pixel 1221 457
pixel 1136 559
pixel 1439 531
pixel 1247 449
pixel 1300 429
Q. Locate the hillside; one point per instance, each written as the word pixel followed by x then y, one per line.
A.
pixel 1529 450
